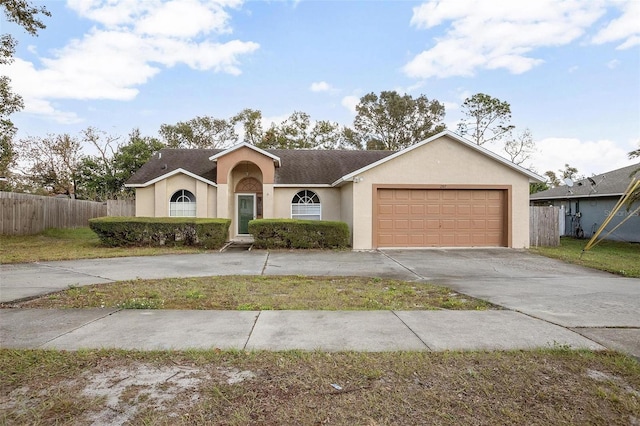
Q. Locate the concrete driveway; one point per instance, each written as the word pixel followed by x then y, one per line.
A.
pixel 597 305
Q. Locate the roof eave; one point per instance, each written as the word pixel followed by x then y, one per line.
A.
pixel 275 158
pixel 568 196
pixel 533 177
pixel 168 175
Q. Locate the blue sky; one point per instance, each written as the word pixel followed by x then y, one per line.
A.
pixel 570 69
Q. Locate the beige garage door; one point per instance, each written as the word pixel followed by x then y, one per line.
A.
pixel 440 218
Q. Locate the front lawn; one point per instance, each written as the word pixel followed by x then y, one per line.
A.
pixel 612 256
pixel 72 243
pixel 260 293
pixel 545 387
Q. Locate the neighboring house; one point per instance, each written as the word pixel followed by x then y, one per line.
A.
pixel 442 192
pixel 587 203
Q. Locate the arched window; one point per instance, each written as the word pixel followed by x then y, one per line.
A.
pixel 183 204
pixel 306 205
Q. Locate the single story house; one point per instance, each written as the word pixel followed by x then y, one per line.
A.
pixel 586 203
pixel 442 192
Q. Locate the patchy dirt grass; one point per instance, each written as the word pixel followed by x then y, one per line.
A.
pixel 310 388
pixel 260 293
pixel 73 243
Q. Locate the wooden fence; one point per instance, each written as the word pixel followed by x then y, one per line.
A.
pixel 24 214
pixel 544 226
pixel 121 207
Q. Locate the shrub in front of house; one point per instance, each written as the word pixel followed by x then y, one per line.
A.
pixel 299 234
pixel 161 231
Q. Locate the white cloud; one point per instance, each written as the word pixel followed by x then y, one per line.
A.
pixel 350 102
pixel 613 64
pixel 588 157
pixel 131 43
pixel 625 28
pixel 320 86
pixel 491 35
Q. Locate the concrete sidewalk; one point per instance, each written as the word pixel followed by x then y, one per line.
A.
pixel 547 303
pixel 370 331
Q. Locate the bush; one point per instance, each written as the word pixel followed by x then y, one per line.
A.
pixel 299 234
pixel 160 231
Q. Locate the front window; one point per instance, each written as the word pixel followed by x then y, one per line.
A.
pixel 183 204
pixel 306 205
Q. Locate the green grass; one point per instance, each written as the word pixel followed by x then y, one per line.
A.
pixel 73 243
pixel 261 293
pixel 612 256
pixel 544 387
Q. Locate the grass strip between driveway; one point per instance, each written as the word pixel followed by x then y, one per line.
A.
pixel 543 387
pixel 617 257
pixel 261 293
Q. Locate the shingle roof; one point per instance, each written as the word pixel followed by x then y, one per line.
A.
pixel 302 167
pixel 168 160
pixel 321 167
pixel 612 183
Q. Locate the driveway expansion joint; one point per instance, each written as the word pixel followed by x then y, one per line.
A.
pixel 266 261
pixel 108 314
pixel 74 271
pixel 411 330
pixel 420 277
pixel 244 347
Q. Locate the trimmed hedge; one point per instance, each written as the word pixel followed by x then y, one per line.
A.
pixel 161 231
pixel 298 234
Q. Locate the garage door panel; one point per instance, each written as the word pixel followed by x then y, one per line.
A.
pixel 448 209
pixel 433 209
pixel 417 209
pixel 440 218
pixel 463 210
pixel 385 224
pixel 401 209
pixel 385 209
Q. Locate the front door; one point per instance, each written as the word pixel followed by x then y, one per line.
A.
pixel 246 212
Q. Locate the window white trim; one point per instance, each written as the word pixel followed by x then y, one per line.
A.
pixel 181 207
pixel 306 205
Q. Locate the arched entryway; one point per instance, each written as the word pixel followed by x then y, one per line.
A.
pixel 247 179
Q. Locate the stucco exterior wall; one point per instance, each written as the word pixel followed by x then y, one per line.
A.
pixel 441 162
pixel 227 163
pixel 145 201
pixel 153 200
pixel 212 204
pixel 330 201
pixel 346 205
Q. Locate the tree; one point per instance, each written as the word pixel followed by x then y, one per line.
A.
pixel 297 132
pixel 393 122
pixel 328 135
pixel 25 15
pixel 52 163
pixel 520 147
pixel 95 177
pixel 102 177
pixel 199 132
pixel 251 121
pixel 488 118
pixel 134 154
pixel 537 187
pixel 567 173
